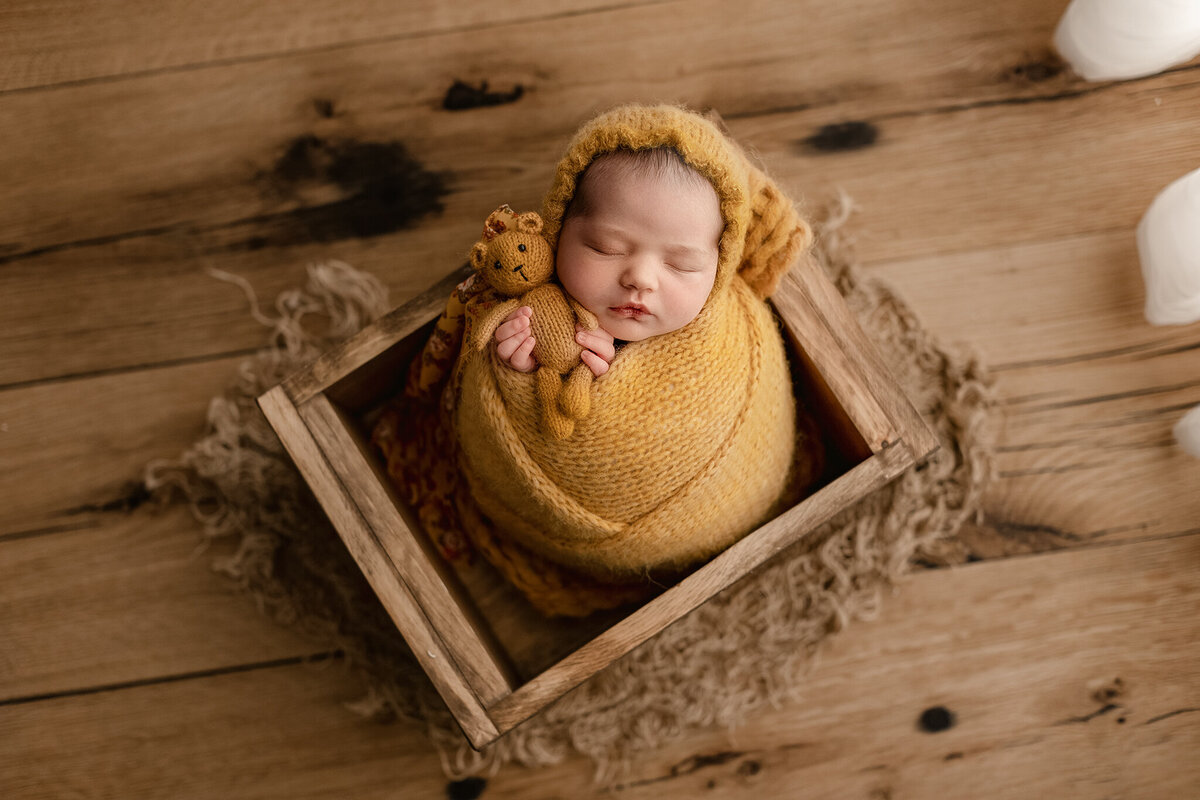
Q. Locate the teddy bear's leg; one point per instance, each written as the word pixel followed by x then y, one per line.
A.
pixel 575 399
pixel 549 386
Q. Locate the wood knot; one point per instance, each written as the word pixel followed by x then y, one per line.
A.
pixel 1106 691
pixel 936 719
pixel 843 136
pixel 466 789
pixel 1037 70
pixel 463 97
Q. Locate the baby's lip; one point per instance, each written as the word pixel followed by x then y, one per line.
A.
pixel 637 307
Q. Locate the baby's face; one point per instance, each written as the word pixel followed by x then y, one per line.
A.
pixel 644 257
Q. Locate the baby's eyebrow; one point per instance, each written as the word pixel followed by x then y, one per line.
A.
pixel 688 250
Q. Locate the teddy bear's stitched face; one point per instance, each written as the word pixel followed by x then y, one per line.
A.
pixel 514 262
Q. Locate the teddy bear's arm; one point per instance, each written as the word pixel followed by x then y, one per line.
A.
pixel 481 334
pixel 586 318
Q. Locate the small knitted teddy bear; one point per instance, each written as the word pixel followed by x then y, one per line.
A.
pixel 515 260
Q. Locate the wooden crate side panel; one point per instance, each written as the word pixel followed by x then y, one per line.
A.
pixel 808 280
pixel 845 446
pixel 391 533
pixel 343 360
pixel 722 572
pixel 416 628
pixel 798 312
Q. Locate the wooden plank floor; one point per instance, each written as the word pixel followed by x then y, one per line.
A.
pixel 999 195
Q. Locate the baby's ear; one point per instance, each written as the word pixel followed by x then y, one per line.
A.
pixel 529 222
pixel 479 255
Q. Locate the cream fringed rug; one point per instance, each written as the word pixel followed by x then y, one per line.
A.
pixel 747 648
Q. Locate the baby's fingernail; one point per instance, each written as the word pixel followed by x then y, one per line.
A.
pixel 579 337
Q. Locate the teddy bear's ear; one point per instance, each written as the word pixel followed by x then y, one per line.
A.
pixel 479 255
pixel 529 222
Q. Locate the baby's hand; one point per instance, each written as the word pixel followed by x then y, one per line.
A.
pixel 514 340
pixel 598 350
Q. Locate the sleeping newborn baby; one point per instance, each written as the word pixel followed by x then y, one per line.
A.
pixel 673 239
pixel 639 248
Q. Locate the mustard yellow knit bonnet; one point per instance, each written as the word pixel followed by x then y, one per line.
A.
pixel 763 233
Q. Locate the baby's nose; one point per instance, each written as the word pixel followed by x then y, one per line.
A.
pixel 640 273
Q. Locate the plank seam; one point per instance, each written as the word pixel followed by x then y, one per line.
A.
pixel 325 48
pixel 183 676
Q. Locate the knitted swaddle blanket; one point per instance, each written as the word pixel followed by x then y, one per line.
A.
pixel 691 438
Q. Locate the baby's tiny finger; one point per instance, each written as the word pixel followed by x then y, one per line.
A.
pixel 506 347
pixel 522 360
pixel 512 327
pixel 595 363
pixel 600 345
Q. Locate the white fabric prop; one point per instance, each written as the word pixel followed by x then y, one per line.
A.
pixel 1107 40
pixel 1169 248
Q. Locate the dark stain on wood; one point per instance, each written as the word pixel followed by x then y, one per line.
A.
pixel 841 137
pixel 1032 533
pixel 383 189
pixel 466 789
pixel 688 766
pixel 1045 66
pixel 936 719
pixel 953 756
pixel 464 97
pixel 695 763
pixel 132 496
pixel 1109 691
pixel 996 537
pixel 749 767
pixel 325 107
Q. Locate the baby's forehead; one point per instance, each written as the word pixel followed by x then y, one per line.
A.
pixel 600 183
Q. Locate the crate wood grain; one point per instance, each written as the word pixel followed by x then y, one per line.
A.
pixel 476 660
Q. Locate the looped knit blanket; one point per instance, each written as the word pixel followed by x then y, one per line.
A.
pixel 243 488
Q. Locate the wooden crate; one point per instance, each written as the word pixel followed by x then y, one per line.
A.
pixel 494 660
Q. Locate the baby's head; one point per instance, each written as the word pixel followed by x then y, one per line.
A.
pixel 639 188
pixel 640 242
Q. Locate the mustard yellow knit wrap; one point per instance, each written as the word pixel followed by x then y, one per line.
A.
pixel 691 434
